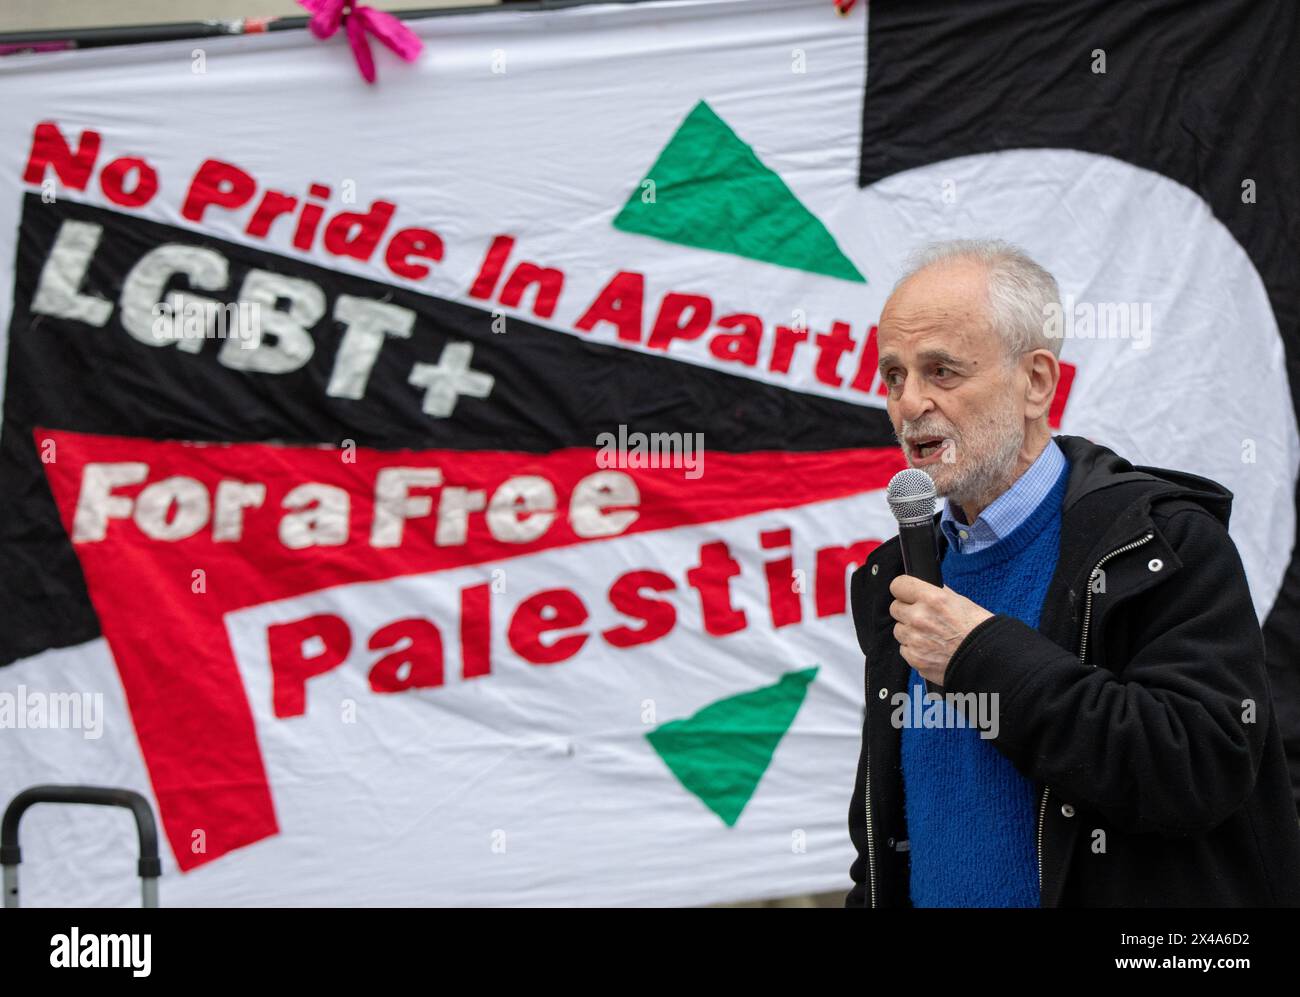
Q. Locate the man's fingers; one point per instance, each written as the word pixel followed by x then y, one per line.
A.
pixel 900 610
pixel 904 588
pixel 907 589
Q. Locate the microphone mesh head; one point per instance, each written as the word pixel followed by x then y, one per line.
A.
pixel 911 496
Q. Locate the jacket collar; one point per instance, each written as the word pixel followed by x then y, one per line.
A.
pixel 1094 467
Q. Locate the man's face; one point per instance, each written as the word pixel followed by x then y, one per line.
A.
pixel 956 408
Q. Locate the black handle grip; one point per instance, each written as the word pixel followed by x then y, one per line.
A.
pixel 10 854
pixel 920 551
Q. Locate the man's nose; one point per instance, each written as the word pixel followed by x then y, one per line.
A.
pixel 914 400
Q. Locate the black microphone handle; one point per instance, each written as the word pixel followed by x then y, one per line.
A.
pixel 920 552
pixel 921 560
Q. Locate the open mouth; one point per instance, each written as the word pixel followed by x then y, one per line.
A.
pixel 927 447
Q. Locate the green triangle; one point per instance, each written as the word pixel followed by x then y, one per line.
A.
pixel 721 752
pixel 712 192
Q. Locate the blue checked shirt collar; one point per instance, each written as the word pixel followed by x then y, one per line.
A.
pixel 1009 509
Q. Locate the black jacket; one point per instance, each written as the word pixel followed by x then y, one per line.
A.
pixel 1140 708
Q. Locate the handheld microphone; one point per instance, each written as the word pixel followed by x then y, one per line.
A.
pixel 911 499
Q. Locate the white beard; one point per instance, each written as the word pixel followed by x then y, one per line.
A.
pixel 986 456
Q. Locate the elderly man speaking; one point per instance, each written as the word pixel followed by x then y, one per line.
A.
pixel 1103 610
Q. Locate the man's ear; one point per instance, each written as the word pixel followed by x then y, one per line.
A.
pixel 1043 371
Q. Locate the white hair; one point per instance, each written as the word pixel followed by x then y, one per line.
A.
pixel 1020 292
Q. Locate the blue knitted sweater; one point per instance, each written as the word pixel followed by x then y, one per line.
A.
pixel 970 813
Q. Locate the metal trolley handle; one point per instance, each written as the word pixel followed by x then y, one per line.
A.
pixel 11 855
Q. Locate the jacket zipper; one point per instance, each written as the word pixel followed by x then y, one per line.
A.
pixel 871 855
pixel 1042 810
pixel 1083 651
pixel 1087 601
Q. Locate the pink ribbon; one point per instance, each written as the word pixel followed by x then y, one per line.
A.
pixel 325 18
